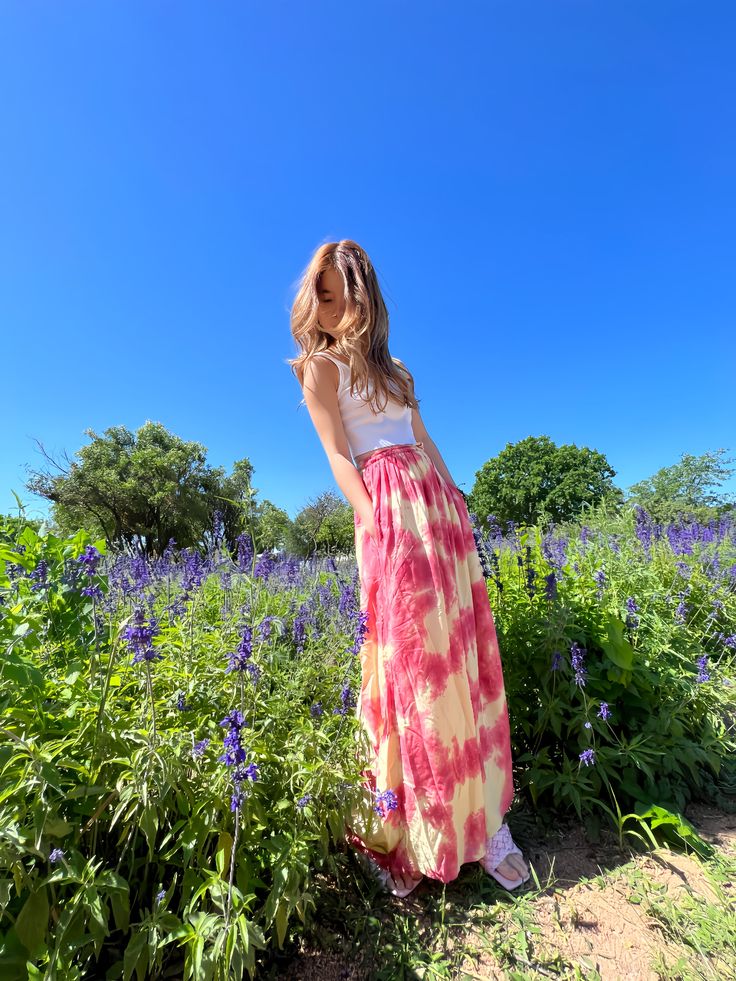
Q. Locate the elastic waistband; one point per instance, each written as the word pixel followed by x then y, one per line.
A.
pixel 396 449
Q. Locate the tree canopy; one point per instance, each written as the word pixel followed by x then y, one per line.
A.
pixel 147 487
pixel 536 481
pixel 685 487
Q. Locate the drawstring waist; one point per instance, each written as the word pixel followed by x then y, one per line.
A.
pixel 388 450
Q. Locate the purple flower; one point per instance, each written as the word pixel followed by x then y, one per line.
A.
pixel 160 896
pixel 577 660
pixel 56 856
pixel 681 611
pixel 703 674
pixel 199 748
pixel 316 709
pixel 238 660
pixel 94 590
pixel 39 575
pixel 348 701
pixel 554 551
pixel 303 801
pixel 604 712
pixel 386 801
pixel 264 627
pixel 588 757
pixel 251 771
pixel 361 631
pixel 234 756
pixel 557 660
pixel 89 559
pixel 632 607
pixel 193 572
pixel 139 635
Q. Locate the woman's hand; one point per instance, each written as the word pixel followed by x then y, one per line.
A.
pixel 368 523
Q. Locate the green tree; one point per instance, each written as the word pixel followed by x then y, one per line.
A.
pixel 536 481
pixel 145 488
pixel 686 487
pixel 326 525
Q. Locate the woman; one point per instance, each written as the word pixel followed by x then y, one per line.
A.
pixel 432 701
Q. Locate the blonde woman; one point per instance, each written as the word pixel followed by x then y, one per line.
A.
pixel 432 703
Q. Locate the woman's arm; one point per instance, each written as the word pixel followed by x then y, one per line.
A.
pixel 320 394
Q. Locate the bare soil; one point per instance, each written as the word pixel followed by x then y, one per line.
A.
pixel 597 925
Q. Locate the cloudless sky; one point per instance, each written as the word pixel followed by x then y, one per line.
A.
pixel 547 190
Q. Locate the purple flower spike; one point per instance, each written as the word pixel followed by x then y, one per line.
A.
pixel 234 757
pixel 139 635
pixel 577 659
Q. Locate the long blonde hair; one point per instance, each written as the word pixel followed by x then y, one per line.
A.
pixel 364 343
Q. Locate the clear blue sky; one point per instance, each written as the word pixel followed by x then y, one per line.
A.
pixel 546 189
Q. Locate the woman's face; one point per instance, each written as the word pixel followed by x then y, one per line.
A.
pixel 331 306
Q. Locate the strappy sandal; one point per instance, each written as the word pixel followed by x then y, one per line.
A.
pixel 497 849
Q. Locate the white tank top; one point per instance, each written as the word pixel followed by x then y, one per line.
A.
pixel 365 429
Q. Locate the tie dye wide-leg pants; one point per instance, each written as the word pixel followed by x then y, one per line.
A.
pixel 432 703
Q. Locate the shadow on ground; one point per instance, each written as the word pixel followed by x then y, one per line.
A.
pixel 588 916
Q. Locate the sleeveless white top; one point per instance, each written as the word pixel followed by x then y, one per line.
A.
pixel 365 429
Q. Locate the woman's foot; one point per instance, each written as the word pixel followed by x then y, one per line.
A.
pixel 399 885
pixel 513 867
pixel 503 859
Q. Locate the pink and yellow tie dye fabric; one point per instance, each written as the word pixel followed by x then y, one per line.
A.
pixel 432 705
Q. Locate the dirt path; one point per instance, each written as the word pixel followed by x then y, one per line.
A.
pixel 595 913
pixel 599 912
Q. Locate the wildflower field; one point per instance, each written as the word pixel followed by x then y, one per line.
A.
pixel 179 744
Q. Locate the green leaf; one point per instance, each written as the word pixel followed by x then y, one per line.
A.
pixel 617 648
pixel 56 826
pixel 23 674
pixel 282 919
pixel 134 952
pixel 32 921
pixel 223 852
pixel 674 827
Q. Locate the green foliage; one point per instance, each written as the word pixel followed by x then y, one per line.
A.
pixel 536 481
pixel 148 487
pixel 119 850
pixel 97 761
pixel 656 699
pixel 324 526
pixel 685 488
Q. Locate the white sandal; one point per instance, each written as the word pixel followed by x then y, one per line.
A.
pixel 497 849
